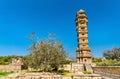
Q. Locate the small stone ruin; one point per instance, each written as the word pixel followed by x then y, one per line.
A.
pixel 16 61
pixel 15 66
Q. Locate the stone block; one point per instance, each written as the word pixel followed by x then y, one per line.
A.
pixel 87 76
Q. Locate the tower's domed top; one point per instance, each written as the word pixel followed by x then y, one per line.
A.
pixel 81 11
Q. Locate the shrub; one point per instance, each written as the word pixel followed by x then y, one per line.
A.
pixel 62 71
pixel 109 63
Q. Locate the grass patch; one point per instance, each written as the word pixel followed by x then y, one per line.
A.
pixel 65 73
pixel 87 72
pixel 4 73
pixel 106 62
pixel 109 63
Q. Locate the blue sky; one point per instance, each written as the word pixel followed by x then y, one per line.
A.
pixel 18 18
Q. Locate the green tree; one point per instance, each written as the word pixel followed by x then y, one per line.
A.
pixel 5 60
pixel 46 55
pixel 95 60
pixel 112 54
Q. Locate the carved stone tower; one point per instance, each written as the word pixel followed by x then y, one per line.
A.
pixel 83 51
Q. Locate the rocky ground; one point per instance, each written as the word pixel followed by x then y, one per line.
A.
pixel 63 77
pixel 66 77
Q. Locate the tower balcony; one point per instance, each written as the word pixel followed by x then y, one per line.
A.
pixel 81 16
pixel 81 23
pixel 83 49
pixel 81 26
pixel 83 43
pixel 83 37
pixel 84 40
pixel 83 55
pixel 82 31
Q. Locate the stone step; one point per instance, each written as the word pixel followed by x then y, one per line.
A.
pixel 106 78
pixel 88 67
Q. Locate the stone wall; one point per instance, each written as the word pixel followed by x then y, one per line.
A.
pixel 15 65
pixel 87 76
pixel 77 67
pixel 110 71
pixel 73 67
pixel 4 67
pixel 8 68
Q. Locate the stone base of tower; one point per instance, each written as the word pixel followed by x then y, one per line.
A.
pixel 77 67
pixel 84 60
pixel 81 67
pixel 83 56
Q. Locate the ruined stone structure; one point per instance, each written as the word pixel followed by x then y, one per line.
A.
pixel 17 61
pixel 83 51
pixel 15 66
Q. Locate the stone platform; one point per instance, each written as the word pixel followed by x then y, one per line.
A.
pixel 34 76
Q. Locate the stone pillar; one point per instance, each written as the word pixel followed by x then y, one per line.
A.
pixel 83 52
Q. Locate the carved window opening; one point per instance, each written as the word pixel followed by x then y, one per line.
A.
pixel 82 21
pixel 83 34
pixel 84 45
pixel 83 28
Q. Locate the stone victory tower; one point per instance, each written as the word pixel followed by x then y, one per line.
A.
pixel 83 52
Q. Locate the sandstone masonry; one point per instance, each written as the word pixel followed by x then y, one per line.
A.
pixel 83 51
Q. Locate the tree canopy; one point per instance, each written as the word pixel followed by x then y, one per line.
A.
pixel 5 60
pixel 113 54
pixel 46 55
